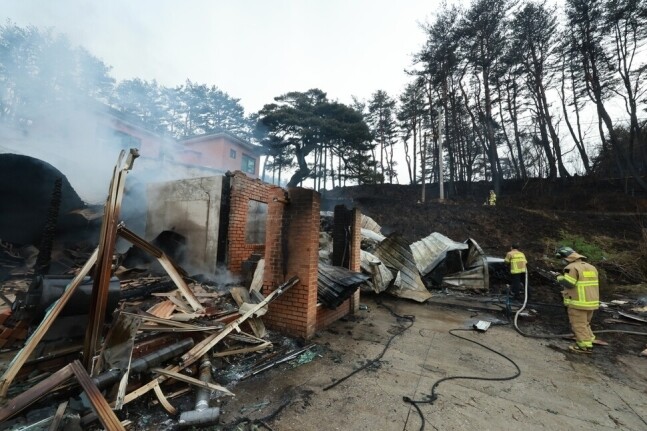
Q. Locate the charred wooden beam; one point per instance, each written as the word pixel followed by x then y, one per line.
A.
pixel 103 271
pixel 36 392
pixel 58 417
pixel 169 266
pixel 99 404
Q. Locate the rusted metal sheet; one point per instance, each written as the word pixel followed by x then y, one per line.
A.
pixel 475 272
pixel 396 254
pixel 431 250
pixel 381 276
pixel 335 284
pixel 117 350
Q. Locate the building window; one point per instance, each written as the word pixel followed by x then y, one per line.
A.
pixel 249 164
pixel 232 153
pixel 256 221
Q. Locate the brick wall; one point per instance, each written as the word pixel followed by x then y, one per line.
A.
pixel 292 248
pixel 243 189
pixel 292 238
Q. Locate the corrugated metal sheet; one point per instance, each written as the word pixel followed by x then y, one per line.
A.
pixel 381 276
pixel 431 250
pixel 370 224
pixel 373 236
pixel 396 254
pixel 336 284
pixel 476 274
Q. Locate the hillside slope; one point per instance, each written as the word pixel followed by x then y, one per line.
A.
pixel 615 237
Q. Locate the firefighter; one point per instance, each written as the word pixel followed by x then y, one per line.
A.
pixel 581 296
pixel 492 198
pixel 517 262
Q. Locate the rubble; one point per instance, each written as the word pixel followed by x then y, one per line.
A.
pixel 160 327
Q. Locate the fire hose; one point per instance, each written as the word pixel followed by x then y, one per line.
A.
pixel 545 336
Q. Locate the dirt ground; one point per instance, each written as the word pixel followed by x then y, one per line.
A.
pixel 555 389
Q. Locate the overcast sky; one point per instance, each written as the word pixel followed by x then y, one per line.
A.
pixel 252 49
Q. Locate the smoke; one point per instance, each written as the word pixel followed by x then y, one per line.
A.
pixel 53 107
pixel 68 138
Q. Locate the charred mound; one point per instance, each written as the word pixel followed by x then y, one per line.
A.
pixel 26 188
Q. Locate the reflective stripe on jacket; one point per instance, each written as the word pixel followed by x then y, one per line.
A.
pixel 517 261
pixel 581 284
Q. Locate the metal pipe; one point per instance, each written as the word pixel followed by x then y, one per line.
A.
pixel 139 365
pixel 203 414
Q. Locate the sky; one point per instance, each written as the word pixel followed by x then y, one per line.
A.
pixel 254 50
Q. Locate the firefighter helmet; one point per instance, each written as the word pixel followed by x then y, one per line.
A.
pixel 563 252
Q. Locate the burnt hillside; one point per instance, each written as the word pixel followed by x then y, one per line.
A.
pixel 536 216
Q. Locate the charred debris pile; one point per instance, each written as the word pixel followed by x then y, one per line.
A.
pixel 78 346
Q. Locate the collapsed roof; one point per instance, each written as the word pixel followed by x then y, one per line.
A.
pixel 405 270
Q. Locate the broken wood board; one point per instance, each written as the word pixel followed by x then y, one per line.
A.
pixel 257 279
pixel 99 404
pixel 202 348
pixel 169 266
pixel 58 416
pixel 51 315
pixel 180 304
pixel 163 310
pixel 192 381
pixel 117 351
pixel 163 401
pixel 257 348
pixel 241 296
pixel 187 327
pixel 33 394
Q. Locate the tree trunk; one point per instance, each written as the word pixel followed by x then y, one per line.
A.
pixel 517 174
pixel 489 133
pixel 514 116
pixel 577 137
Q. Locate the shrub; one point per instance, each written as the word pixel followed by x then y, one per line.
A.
pixel 592 251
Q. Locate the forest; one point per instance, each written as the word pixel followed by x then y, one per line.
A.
pixel 500 90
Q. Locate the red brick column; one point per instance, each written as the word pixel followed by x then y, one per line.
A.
pixel 292 248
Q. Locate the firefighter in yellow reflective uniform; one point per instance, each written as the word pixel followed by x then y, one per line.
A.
pixel 581 297
pixel 517 262
pixel 492 198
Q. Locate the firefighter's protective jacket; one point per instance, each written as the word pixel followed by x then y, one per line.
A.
pixel 517 261
pixel 581 286
pixel 492 199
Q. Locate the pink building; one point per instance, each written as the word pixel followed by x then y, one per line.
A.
pixel 216 152
pixel 222 151
pixel 128 132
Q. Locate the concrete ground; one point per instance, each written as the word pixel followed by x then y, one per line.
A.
pixel 555 391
